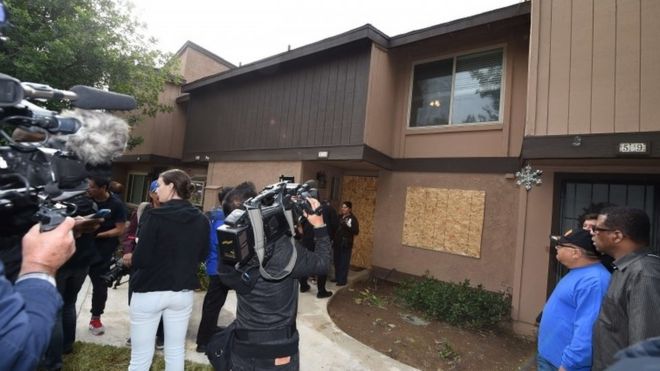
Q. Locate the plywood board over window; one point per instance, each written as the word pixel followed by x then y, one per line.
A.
pixel 447 220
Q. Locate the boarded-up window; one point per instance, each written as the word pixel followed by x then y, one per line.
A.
pixel 448 220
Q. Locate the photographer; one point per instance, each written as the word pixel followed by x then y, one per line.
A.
pixel 28 309
pixel 266 336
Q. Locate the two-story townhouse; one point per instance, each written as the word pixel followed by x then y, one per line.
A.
pixel 422 132
pixel 162 135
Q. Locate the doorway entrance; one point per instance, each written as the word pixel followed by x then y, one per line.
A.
pixel 361 191
pixel 578 194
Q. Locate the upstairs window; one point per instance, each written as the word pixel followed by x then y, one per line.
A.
pixel 461 90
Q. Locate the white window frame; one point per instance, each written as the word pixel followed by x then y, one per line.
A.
pixel 453 56
pixel 129 184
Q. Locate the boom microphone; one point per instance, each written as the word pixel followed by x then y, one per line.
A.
pixel 101 138
pixel 91 98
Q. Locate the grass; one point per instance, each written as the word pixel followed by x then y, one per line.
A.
pixel 87 356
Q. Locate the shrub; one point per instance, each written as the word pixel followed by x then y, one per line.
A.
pixel 455 303
pixel 203 277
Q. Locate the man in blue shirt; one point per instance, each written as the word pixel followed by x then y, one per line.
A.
pixel 565 332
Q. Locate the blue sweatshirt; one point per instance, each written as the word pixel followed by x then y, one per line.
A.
pixel 217 219
pixel 569 315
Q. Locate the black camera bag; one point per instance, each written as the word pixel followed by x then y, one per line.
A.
pixel 218 349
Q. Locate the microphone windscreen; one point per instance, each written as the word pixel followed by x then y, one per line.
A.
pixel 101 138
pixel 92 98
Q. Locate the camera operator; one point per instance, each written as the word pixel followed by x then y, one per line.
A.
pixel 28 309
pixel 266 336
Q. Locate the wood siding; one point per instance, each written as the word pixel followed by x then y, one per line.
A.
pixel 317 102
pixel 593 67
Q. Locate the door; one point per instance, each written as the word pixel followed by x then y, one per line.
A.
pixel 361 191
pixel 580 193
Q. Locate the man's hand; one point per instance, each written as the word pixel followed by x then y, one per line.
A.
pixel 85 225
pixel 315 220
pixel 127 259
pixel 46 252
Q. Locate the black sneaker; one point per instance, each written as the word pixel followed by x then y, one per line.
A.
pixel 324 294
pixel 160 344
pixel 201 348
pixel 304 288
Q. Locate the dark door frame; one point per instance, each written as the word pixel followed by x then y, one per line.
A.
pixel 611 178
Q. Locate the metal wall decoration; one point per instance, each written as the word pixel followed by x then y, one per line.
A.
pixel 528 177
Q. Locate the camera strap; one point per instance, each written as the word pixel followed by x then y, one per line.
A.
pixel 259 243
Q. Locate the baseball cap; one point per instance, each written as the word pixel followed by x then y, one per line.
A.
pixel 153 186
pixel 581 239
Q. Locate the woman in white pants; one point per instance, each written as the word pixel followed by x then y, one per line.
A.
pixel 171 242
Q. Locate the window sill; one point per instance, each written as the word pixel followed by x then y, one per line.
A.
pixel 453 129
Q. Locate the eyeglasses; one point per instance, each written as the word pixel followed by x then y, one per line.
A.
pixel 597 229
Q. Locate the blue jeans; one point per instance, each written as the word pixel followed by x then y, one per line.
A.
pixel 543 364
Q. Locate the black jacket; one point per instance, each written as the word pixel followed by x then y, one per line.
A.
pixel 172 240
pixel 274 304
pixel 348 228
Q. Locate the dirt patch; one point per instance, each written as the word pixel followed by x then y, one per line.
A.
pixel 369 312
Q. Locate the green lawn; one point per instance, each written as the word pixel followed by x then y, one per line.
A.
pixel 87 356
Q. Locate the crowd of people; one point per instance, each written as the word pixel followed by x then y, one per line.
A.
pixel 597 320
pixel 162 244
pixel 603 314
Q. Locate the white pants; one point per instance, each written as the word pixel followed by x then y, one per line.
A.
pixel 146 309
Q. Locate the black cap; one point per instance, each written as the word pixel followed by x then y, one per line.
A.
pixel 581 239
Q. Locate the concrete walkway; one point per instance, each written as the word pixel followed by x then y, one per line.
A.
pixel 323 346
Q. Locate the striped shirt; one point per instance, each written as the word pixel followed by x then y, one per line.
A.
pixel 631 308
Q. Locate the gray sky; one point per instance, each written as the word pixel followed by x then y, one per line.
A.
pixel 246 31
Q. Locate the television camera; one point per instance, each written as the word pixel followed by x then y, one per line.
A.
pixel 49 155
pixel 266 218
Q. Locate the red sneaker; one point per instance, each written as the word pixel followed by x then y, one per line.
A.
pixel 96 327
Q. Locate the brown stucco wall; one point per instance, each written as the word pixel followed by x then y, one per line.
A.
pixel 233 173
pixel 194 65
pixel 479 140
pixel 162 134
pixel 310 170
pixel 379 120
pixel 493 269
